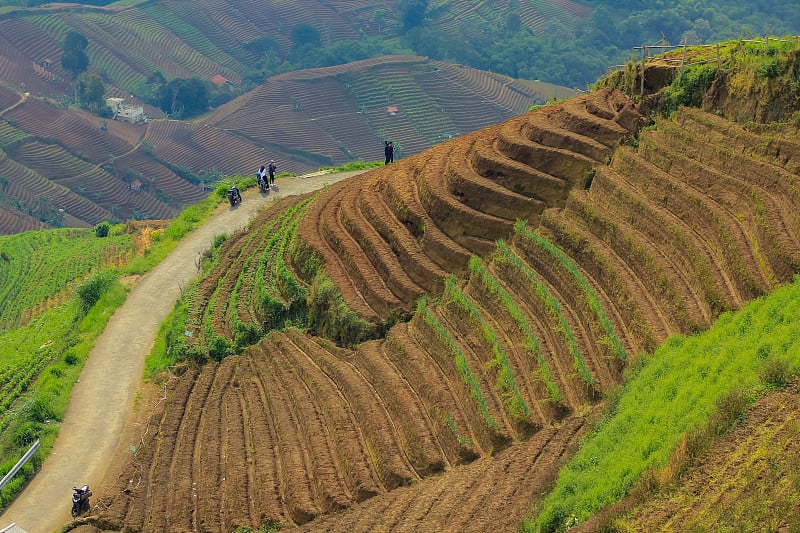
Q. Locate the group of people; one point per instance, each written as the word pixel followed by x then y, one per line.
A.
pixel 266 175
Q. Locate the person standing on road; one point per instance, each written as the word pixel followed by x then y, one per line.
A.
pixel 388 150
pixel 261 175
pixel 271 168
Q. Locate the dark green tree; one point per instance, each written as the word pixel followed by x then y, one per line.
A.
pixel 91 91
pixel 305 35
pixel 74 59
pixel 184 98
pixel 412 13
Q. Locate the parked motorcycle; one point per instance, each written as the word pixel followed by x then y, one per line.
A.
pixel 80 500
pixel 234 196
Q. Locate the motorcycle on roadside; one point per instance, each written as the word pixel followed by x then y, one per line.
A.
pixel 80 500
pixel 234 196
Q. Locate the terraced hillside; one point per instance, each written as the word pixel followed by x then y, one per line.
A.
pixel 345 112
pixel 393 235
pixel 477 396
pixel 127 43
pixel 93 170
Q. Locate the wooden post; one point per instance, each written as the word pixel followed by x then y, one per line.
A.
pixel 641 84
pixel 719 59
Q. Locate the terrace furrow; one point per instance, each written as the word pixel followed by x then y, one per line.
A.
pixel 418 266
pixel 577 242
pixel 349 441
pixel 297 486
pixel 662 281
pixel 308 406
pixel 459 429
pixel 184 468
pixel 719 224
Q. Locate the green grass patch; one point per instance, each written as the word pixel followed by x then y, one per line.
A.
pixel 56 344
pixel 673 392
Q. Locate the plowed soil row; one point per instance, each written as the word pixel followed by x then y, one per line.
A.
pixel 486 495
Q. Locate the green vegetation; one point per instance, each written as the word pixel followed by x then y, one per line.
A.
pixel 686 382
pixel 462 365
pixel 41 360
pixel 531 344
pixel 554 309
pixel 522 229
pixel 354 165
pixel 38 266
pixel 513 401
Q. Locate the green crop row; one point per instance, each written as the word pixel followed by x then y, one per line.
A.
pixel 280 294
pixel 554 308
pixel 521 227
pixel 10 134
pixel 42 264
pixel 512 399
pixel 462 365
pixel 670 394
pixel 531 344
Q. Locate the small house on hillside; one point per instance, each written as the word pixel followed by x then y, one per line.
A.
pixel 126 113
pixel 392 109
pixel 219 81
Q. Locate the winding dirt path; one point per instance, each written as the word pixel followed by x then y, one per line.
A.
pixel 105 393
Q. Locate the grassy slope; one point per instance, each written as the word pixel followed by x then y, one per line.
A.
pixel 748 481
pixel 672 392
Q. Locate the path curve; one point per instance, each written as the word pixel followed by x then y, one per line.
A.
pixel 104 395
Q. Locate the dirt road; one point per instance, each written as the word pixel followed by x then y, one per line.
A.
pixel 105 393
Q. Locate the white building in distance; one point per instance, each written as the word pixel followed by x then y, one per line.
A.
pixel 127 113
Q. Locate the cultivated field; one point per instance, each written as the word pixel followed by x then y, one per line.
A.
pixel 72 168
pixel 479 394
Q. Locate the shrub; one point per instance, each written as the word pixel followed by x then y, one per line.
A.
pixel 776 372
pixel 690 88
pixel 329 316
pixel 102 229
pixel 90 291
pixel 27 434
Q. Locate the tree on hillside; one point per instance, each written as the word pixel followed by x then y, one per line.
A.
pixel 412 13
pixel 305 38
pixel 91 91
pixel 184 98
pixel 74 59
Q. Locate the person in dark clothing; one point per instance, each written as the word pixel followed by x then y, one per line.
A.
pixel 271 168
pixel 388 150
